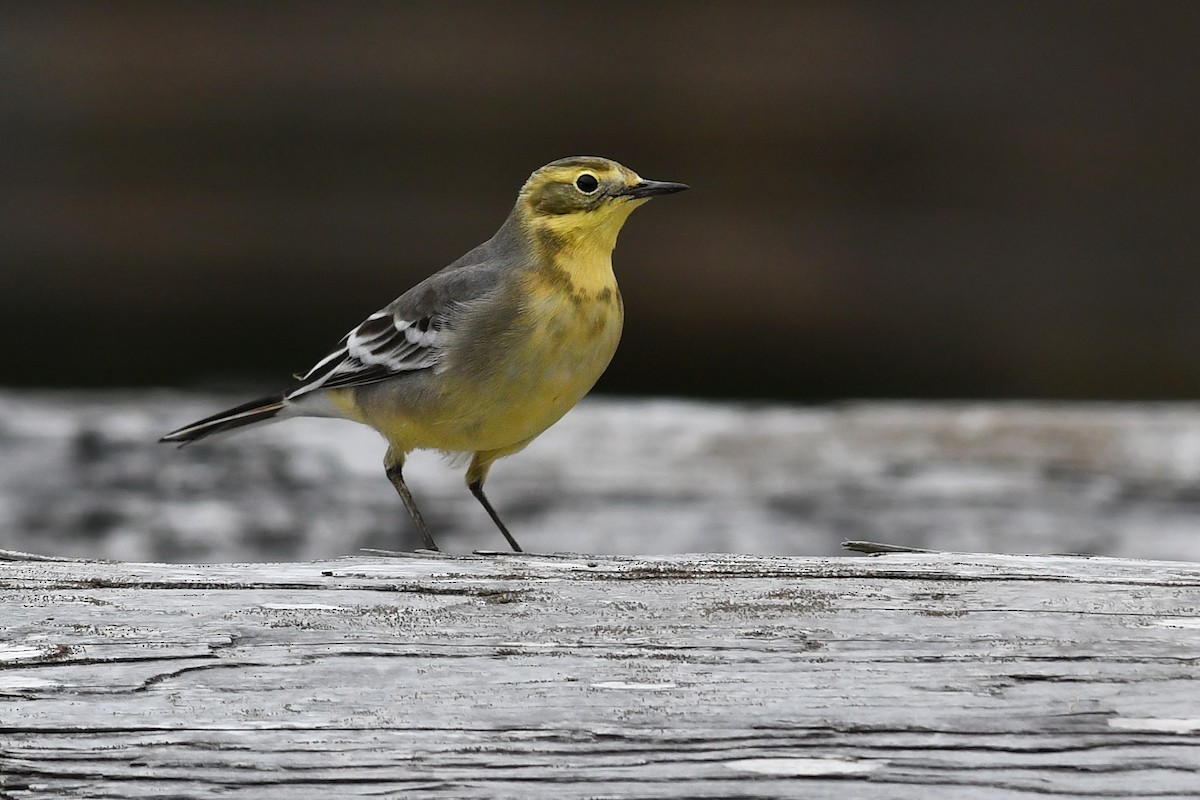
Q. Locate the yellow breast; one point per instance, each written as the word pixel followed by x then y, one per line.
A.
pixel 556 350
pixel 572 338
pixel 567 341
pixel 511 376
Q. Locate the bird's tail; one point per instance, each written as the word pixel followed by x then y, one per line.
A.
pixel 246 414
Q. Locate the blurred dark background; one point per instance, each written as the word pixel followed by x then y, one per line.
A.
pixel 971 199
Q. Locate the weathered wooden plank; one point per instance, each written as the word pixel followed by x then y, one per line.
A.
pixel 82 475
pixel 898 676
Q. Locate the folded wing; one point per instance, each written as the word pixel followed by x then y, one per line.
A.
pixel 410 334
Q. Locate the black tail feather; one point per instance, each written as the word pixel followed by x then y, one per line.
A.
pixel 259 410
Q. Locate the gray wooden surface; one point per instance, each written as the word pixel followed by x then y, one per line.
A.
pixel 82 475
pixel 908 675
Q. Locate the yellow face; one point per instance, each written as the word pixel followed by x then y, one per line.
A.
pixel 580 203
pixel 581 185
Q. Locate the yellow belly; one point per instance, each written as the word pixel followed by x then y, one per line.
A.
pixel 533 374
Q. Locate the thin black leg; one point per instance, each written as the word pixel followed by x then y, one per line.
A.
pixel 395 475
pixel 476 488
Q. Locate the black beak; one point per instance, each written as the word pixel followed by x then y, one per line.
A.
pixel 653 188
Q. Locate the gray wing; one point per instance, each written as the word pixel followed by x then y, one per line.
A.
pixel 411 333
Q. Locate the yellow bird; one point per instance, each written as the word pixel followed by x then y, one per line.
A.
pixel 484 355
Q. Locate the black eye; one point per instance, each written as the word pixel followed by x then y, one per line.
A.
pixel 587 183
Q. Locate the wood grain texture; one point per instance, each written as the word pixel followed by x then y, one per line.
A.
pixel 907 675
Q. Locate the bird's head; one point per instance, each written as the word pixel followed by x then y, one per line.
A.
pixel 584 201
